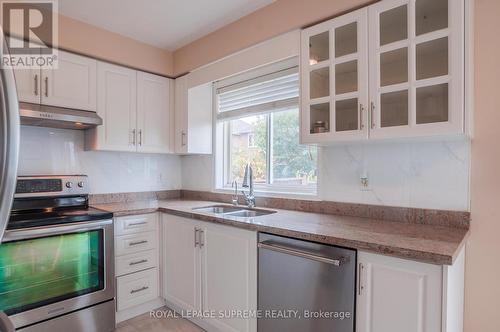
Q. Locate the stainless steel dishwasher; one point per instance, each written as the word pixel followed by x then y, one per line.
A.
pixel 305 286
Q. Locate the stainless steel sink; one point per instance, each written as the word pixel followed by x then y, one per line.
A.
pixel 233 211
pixel 218 209
pixel 247 213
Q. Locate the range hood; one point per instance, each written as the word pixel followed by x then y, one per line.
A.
pixel 57 117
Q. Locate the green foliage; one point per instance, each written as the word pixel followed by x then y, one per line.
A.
pixel 291 161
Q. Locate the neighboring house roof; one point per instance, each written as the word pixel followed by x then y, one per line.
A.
pixel 239 127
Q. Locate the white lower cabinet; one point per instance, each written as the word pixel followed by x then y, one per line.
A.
pixel 397 295
pixel 137 288
pixel 136 265
pixel 211 268
pixel 181 263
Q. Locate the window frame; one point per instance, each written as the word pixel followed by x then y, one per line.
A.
pixel 269 187
pixel 221 137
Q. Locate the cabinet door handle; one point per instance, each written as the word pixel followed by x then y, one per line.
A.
pixel 361 124
pixel 372 110
pixel 140 137
pixel 360 271
pixel 138 262
pixel 196 242
pixel 137 243
pixel 183 138
pixel 137 223
pixel 139 289
pixel 36 84
pixel 202 240
pixel 46 86
pixel 133 136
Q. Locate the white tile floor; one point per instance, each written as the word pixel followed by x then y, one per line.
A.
pixel 145 323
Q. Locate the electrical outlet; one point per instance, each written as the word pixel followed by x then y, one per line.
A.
pixel 364 182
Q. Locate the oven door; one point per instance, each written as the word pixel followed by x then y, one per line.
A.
pixel 46 272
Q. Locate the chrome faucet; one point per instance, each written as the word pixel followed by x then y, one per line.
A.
pixel 234 198
pixel 248 183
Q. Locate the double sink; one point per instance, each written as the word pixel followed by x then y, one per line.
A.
pixel 233 211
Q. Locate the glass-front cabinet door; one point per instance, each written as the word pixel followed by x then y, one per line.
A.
pixel 334 71
pixel 416 68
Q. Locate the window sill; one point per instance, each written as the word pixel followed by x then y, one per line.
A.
pixel 313 196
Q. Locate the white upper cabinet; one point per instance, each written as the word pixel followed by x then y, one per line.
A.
pixel 117 106
pixel 393 69
pixel 154 118
pixel 72 84
pixel 193 117
pixel 416 67
pixel 28 85
pixel 136 109
pixel 334 66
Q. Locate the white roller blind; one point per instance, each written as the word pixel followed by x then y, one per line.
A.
pixel 271 92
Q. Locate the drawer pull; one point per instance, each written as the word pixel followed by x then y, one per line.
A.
pixel 138 262
pixel 137 223
pixel 138 242
pixel 139 289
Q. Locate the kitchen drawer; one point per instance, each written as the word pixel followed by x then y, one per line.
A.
pixel 136 224
pixel 137 288
pixel 133 243
pixel 136 262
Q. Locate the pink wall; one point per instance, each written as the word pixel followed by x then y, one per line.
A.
pixel 89 40
pixel 482 296
pixel 277 18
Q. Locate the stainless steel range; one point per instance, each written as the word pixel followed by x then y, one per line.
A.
pixel 56 258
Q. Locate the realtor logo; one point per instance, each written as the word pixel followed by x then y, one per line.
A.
pixel 30 30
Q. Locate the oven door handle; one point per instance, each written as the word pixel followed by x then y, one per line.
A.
pixel 5 323
pixel 36 232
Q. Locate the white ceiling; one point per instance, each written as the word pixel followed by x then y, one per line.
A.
pixel 168 24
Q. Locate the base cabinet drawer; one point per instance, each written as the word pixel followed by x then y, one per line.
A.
pixel 130 244
pixel 136 262
pixel 137 288
pixel 136 224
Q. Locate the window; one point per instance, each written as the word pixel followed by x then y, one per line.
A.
pixel 251 140
pixel 258 123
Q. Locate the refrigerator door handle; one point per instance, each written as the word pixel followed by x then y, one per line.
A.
pixel 9 140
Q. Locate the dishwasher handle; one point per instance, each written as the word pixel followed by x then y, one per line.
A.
pixel 303 254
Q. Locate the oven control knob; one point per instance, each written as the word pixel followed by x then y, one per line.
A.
pixel 69 184
pixel 80 184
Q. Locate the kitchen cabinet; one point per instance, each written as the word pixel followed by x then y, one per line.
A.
pixel 193 117
pixel 117 106
pixel 136 111
pixel 72 84
pixel 400 295
pixel 182 263
pixel 154 118
pixel 211 267
pixel 416 68
pixel 334 70
pixel 137 267
pixel 394 69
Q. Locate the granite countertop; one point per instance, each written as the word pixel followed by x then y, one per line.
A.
pixel 426 243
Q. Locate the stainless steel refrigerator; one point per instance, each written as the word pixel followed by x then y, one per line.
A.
pixel 9 151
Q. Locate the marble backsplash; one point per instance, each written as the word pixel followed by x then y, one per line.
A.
pixel 430 174
pixel 61 151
